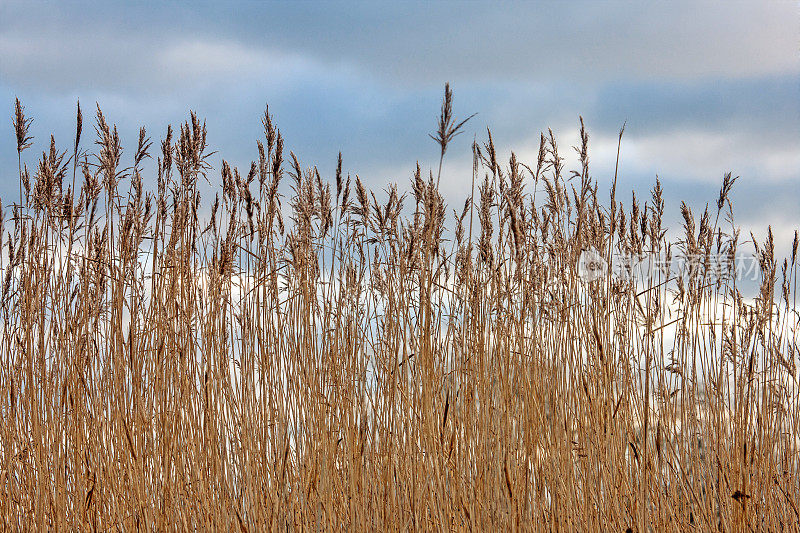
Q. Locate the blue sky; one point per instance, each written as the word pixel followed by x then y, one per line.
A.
pixel 705 87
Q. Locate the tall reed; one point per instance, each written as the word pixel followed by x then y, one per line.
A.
pixel 338 358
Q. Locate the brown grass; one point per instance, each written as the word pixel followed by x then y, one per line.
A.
pixel 374 363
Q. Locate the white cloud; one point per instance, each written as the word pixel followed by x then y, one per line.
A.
pixel 132 64
pixel 706 155
pixel 212 60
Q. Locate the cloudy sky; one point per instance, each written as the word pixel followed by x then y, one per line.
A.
pixel 705 88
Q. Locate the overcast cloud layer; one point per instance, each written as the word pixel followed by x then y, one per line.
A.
pixel 705 88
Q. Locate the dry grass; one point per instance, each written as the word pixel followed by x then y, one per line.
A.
pixel 362 367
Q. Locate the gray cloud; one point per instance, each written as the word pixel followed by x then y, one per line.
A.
pixel 408 42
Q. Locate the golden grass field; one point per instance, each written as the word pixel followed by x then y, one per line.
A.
pixel 331 358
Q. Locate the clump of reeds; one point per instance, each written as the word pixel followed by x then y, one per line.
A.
pixel 376 363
